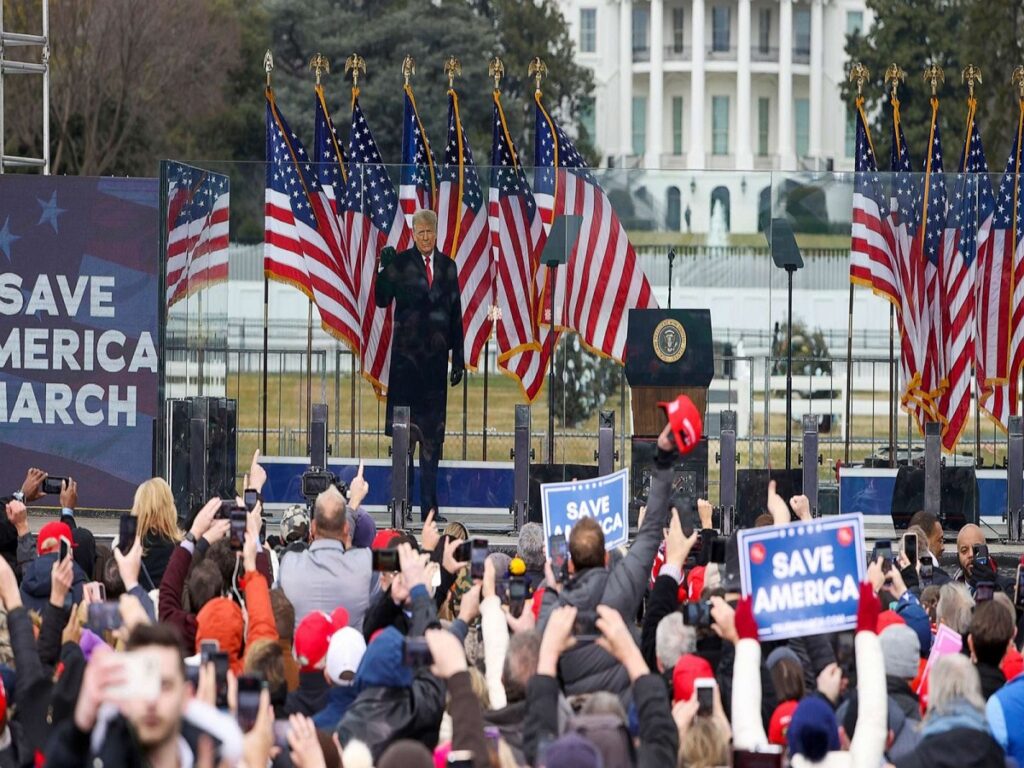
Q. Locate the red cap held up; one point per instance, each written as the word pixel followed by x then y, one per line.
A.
pixel 685 421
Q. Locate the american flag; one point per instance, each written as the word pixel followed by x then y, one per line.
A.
pixel 373 219
pixel 601 280
pixel 968 223
pixel 418 190
pixel 299 247
pixel 517 237
pixel 1001 293
pixel 332 174
pixel 928 250
pixel 463 234
pixel 197 230
pixel 873 248
pixel 903 212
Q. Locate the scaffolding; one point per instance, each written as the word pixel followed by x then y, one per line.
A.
pixel 9 67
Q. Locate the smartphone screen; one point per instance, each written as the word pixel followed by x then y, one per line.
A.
pixel 883 549
pixel 984 591
pixel 249 687
pixel 927 570
pixel 53 485
pixel 220 665
pixel 237 531
pixel 103 617
pixel 416 653
pixel 206 650
pixel 705 688
pixel 65 547
pixel 464 552
pixel 251 498
pixel 517 590
pixel 559 549
pixel 981 556
pixel 1018 597
pixel 385 560
pixel 126 533
pixel 910 547
pixel 478 555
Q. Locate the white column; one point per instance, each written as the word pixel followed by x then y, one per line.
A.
pixel 786 154
pixel 744 151
pixel 656 95
pixel 626 78
pixel 695 157
pixel 817 67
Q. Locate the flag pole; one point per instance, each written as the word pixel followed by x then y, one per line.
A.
pixel 495 69
pixel 268 66
pixel 858 74
pixel 892 387
pixel 319 64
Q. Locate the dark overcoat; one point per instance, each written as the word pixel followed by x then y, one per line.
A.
pixel 427 326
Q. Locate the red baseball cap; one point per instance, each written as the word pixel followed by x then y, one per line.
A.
pixel 779 723
pixel 686 671
pixel 313 636
pixel 685 421
pixel 53 530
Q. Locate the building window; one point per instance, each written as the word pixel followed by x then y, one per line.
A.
pixel 586 119
pixel 720 28
pixel 678 41
pixel 677 125
pixel 720 125
pixel 854 22
pixel 803 127
pixel 588 30
pixel 763 118
pixel 851 132
pixel 639 125
pixel 764 30
pixel 641 25
pixel 802 31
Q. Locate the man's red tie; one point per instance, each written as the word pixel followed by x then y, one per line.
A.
pixel 430 276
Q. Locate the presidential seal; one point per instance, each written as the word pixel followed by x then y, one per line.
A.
pixel 669 340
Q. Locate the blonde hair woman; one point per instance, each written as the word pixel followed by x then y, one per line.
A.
pixel 157 528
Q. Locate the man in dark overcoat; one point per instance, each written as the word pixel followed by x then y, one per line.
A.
pixel 424 285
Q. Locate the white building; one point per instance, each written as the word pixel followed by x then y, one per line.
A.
pixel 717 85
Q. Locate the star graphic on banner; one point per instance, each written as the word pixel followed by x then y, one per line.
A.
pixel 50 211
pixel 7 238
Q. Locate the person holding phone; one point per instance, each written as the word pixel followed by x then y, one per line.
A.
pixel 589 668
pixel 157 528
pixel 35 581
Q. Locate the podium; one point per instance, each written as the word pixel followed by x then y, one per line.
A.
pixel 668 352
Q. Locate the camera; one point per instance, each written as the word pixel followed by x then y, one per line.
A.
pixel 585 627
pixel 385 560
pixel 696 614
pixel 316 480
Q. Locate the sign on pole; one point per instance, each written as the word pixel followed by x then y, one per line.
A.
pixel 804 578
pixel 606 499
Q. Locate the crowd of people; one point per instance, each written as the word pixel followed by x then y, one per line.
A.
pixel 327 642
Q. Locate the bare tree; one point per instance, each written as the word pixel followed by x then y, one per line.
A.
pixel 128 79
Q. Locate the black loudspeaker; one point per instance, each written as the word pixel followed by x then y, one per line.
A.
pixel 202 458
pixel 554 473
pixel 178 447
pixel 689 474
pixel 318 448
pixel 958 493
pixel 752 491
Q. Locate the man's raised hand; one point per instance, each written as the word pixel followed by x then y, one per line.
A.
pixel 387 255
pixel 33 485
pixel 358 488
